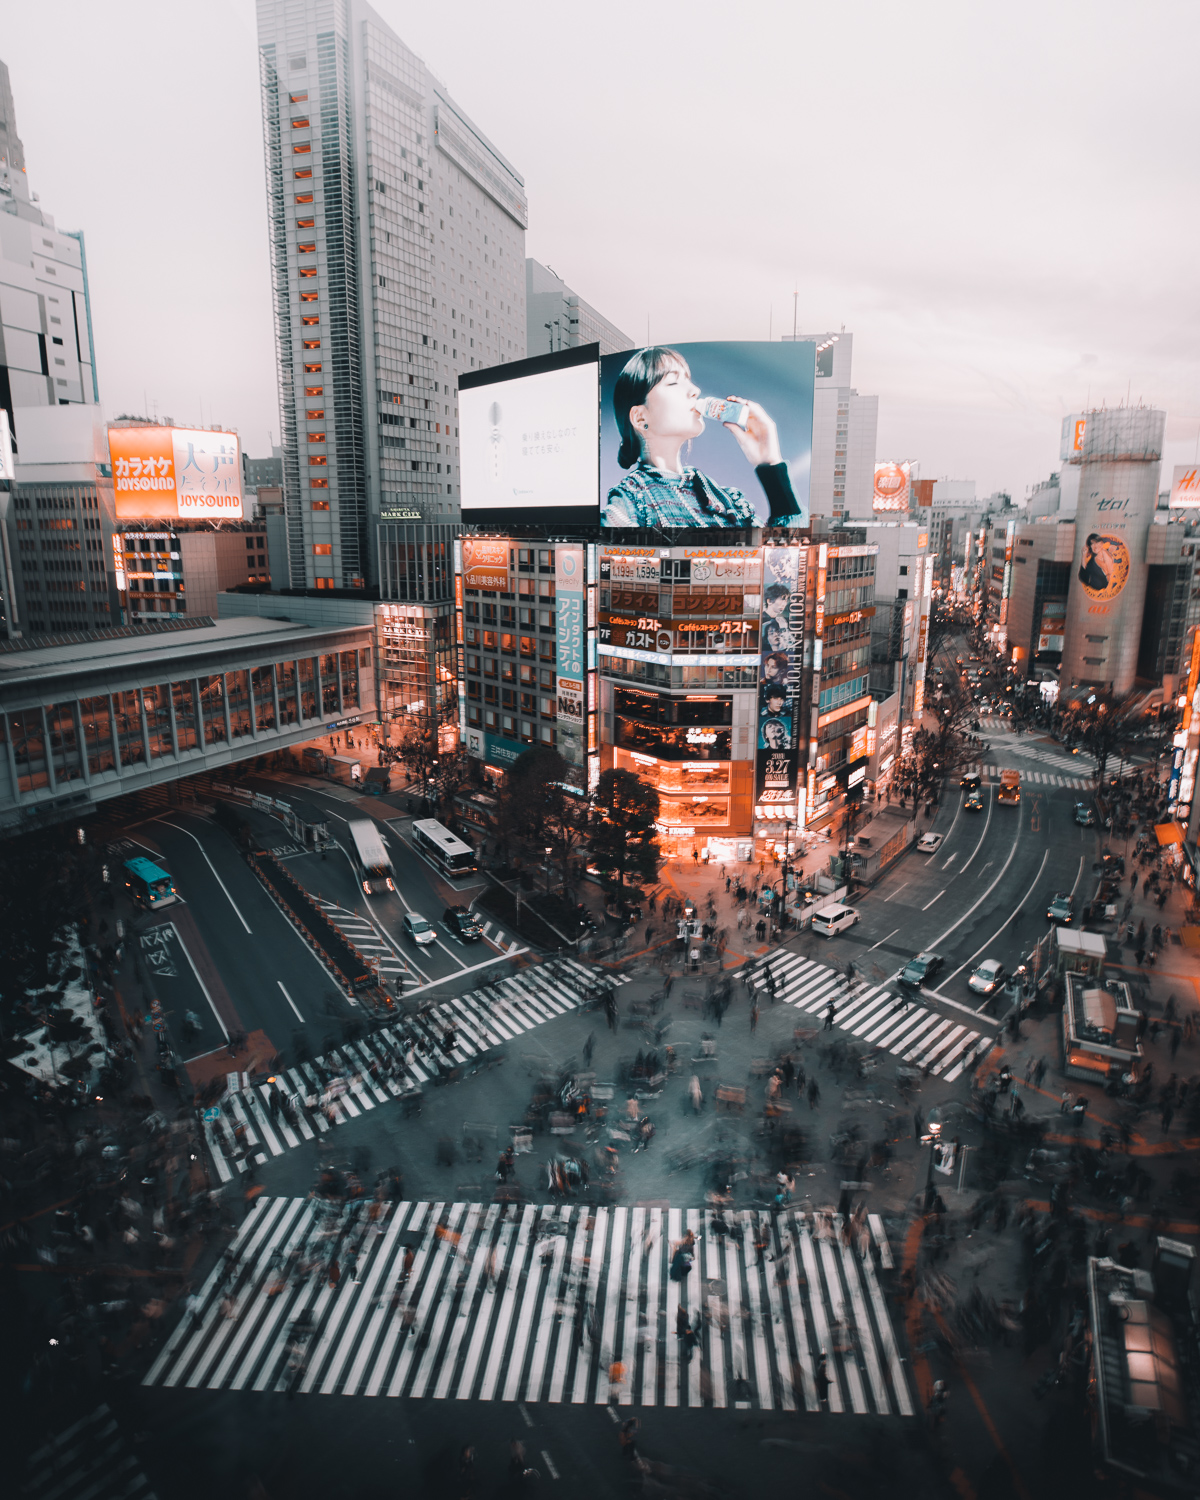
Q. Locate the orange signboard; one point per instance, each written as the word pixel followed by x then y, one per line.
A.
pixel 169 473
pixel 891 487
pixel 485 562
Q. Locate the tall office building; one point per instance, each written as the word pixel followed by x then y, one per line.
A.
pixel 398 260
pixel 558 318
pixel 45 311
pixel 842 482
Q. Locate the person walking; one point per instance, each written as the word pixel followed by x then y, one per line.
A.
pixel 822 1382
pixel 588 1048
pixel 814 1093
pixel 696 1093
pixel 830 1012
pixel 754 1017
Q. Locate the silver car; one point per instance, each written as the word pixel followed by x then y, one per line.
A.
pixel 987 978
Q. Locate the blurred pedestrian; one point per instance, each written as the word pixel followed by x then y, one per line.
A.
pixel 822 1382
pixel 754 1017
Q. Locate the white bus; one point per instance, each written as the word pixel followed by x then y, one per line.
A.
pixel 450 853
pixel 369 857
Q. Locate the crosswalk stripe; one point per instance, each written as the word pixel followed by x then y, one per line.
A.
pixel 87 1461
pixel 501 1293
pixel 885 1020
pixel 374 1069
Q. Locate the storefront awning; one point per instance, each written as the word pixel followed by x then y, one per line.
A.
pixel 1169 833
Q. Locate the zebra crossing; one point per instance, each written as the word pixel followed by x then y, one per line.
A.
pixel 262 1121
pixel 558 1302
pixel 887 1020
pixel 367 938
pixel 1036 778
pixel 87 1461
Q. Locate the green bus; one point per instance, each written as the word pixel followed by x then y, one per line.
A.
pixel 149 884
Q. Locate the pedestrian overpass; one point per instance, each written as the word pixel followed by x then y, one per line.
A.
pixel 110 712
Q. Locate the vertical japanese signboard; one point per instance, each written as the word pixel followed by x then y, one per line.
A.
pixel 458 637
pixel 780 727
pixel 569 611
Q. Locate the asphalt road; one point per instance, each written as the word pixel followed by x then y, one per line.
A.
pixel 985 891
pixel 226 953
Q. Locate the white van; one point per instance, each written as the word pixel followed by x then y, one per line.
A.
pixel 834 919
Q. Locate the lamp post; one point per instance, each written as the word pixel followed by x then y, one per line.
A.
pixel 549 852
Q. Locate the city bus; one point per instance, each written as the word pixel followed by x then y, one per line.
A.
pixel 369 857
pixel 452 855
pixel 149 884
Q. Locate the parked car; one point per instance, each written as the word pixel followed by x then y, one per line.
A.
pixel 1061 908
pixel 462 923
pixel 988 977
pixel 416 927
pixel 1085 815
pixel 973 802
pixel 921 970
pixel 930 843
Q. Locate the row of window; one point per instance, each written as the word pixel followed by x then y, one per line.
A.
pixel 143 725
pixel 509 615
pixel 511 727
pixel 510 645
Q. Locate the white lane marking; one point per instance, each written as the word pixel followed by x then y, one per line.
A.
pixel 883 940
pixel 983 835
pixel 291 1002
pixel 937 943
pixel 199 981
pixel 210 865
pixel 938 897
pixel 1006 921
pixel 549 1462
pixel 897 891
pixel 948 862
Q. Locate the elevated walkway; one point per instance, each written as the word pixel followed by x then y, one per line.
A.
pixel 108 713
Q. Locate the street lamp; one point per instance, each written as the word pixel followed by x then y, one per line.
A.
pixel 934 1127
pixel 549 852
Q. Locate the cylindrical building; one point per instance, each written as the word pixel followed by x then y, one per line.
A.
pixel 1118 491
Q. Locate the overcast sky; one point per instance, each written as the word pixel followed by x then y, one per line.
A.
pixel 999 201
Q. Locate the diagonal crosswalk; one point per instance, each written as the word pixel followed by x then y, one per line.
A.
pixel 886 1019
pixel 367 938
pixel 558 1302
pixel 369 941
pixel 262 1121
pixel 86 1461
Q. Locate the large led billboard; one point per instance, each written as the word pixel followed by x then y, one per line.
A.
pixel 169 473
pixel 711 436
pixel 528 444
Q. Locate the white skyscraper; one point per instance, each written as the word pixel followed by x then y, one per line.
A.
pixel 398 260
pixel 844 427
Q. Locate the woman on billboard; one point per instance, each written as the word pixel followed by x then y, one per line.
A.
pixel 658 410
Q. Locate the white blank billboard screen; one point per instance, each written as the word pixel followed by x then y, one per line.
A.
pixel 531 442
